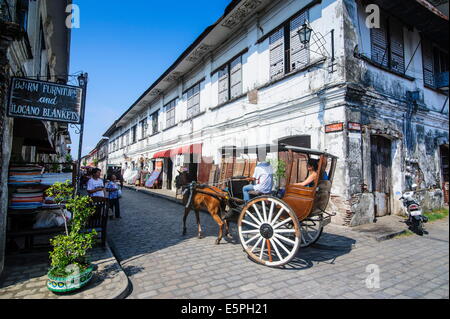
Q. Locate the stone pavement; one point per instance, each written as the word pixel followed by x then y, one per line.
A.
pixel 161 263
pixel 24 277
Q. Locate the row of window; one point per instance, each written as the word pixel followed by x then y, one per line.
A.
pixel 387 47
pixel 288 54
pixel 131 136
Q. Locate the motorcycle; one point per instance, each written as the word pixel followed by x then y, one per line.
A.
pixel 414 212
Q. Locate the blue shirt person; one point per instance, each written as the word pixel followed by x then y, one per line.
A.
pixel 113 195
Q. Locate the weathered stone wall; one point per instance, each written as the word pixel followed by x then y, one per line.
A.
pixel 381 102
pixel 7 32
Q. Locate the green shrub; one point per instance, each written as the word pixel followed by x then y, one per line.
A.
pixel 71 248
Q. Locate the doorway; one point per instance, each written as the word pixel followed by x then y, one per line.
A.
pixel 381 164
pixel 169 173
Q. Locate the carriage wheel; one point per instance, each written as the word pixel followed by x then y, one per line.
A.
pixel 269 231
pixel 311 229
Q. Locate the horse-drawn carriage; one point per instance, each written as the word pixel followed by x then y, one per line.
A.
pixel 273 226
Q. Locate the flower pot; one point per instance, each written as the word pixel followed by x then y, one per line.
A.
pixel 69 283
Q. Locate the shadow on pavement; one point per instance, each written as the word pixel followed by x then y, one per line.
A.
pixel 151 225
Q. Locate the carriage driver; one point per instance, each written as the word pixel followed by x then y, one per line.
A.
pixel 263 177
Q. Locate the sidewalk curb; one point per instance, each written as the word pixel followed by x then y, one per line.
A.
pixel 390 236
pixel 127 287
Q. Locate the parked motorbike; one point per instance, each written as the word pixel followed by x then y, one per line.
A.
pixel 414 211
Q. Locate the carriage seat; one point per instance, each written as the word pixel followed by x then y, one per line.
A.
pixel 257 193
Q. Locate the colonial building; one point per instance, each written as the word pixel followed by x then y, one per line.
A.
pixel 318 74
pixel 34 43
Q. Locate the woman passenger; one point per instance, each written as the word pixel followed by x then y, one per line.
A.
pixel 313 167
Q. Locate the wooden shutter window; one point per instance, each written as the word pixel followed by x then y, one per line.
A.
pixel 223 84
pixel 379 44
pixel 396 46
pixel 427 61
pixel 299 52
pixel 236 77
pixel 193 101
pixel 155 122
pixel 170 113
pixel 276 42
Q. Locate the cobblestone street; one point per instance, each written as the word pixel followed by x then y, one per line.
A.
pixel 161 263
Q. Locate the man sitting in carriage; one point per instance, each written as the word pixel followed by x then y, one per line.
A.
pixel 263 177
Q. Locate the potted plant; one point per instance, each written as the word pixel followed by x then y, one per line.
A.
pixel 68 166
pixel 279 171
pixel 70 268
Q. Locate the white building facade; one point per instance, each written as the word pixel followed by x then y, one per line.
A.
pixel 248 80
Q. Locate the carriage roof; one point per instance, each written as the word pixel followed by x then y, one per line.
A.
pixel 271 148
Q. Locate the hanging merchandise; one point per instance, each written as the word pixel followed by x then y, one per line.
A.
pixel 25 175
pixel 27 198
pixel 52 178
pixel 151 180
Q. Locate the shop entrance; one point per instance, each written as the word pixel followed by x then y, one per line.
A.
pixel 381 174
pixel 169 173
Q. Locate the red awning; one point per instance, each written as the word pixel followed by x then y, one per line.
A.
pixel 187 149
pixel 162 154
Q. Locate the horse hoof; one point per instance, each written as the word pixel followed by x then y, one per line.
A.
pixel 217 242
pixel 229 236
pixel 200 236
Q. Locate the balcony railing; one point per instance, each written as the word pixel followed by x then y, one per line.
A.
pixel 442 81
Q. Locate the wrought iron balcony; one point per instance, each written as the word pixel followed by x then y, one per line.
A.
pixel 442 81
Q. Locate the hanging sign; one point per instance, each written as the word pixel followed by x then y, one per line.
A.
pixel 337 127
pixel 46 101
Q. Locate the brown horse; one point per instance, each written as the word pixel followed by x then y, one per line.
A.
pixel 211 198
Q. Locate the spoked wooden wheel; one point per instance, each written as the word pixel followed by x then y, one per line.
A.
pixel 269 231
pixel 311 229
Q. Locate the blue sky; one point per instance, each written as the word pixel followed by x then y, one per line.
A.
pixel 125 47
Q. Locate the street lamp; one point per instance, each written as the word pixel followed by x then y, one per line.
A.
pixel 82 79
pixel 304 33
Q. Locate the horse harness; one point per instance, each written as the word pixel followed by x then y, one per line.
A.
pixel 194 187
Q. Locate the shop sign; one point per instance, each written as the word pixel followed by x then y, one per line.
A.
pixel 352 126
pixel 336 127
pixel 46 101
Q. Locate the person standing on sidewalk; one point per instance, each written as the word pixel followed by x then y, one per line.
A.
pixel 95 185
pixel 113 195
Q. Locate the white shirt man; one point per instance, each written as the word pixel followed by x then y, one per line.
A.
pixel 264 178
pixel 95 186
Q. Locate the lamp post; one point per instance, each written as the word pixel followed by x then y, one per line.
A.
pixel 82 82
pixel 304 33
pixel 105 138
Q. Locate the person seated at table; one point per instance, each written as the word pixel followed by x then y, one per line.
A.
pixel 263 176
